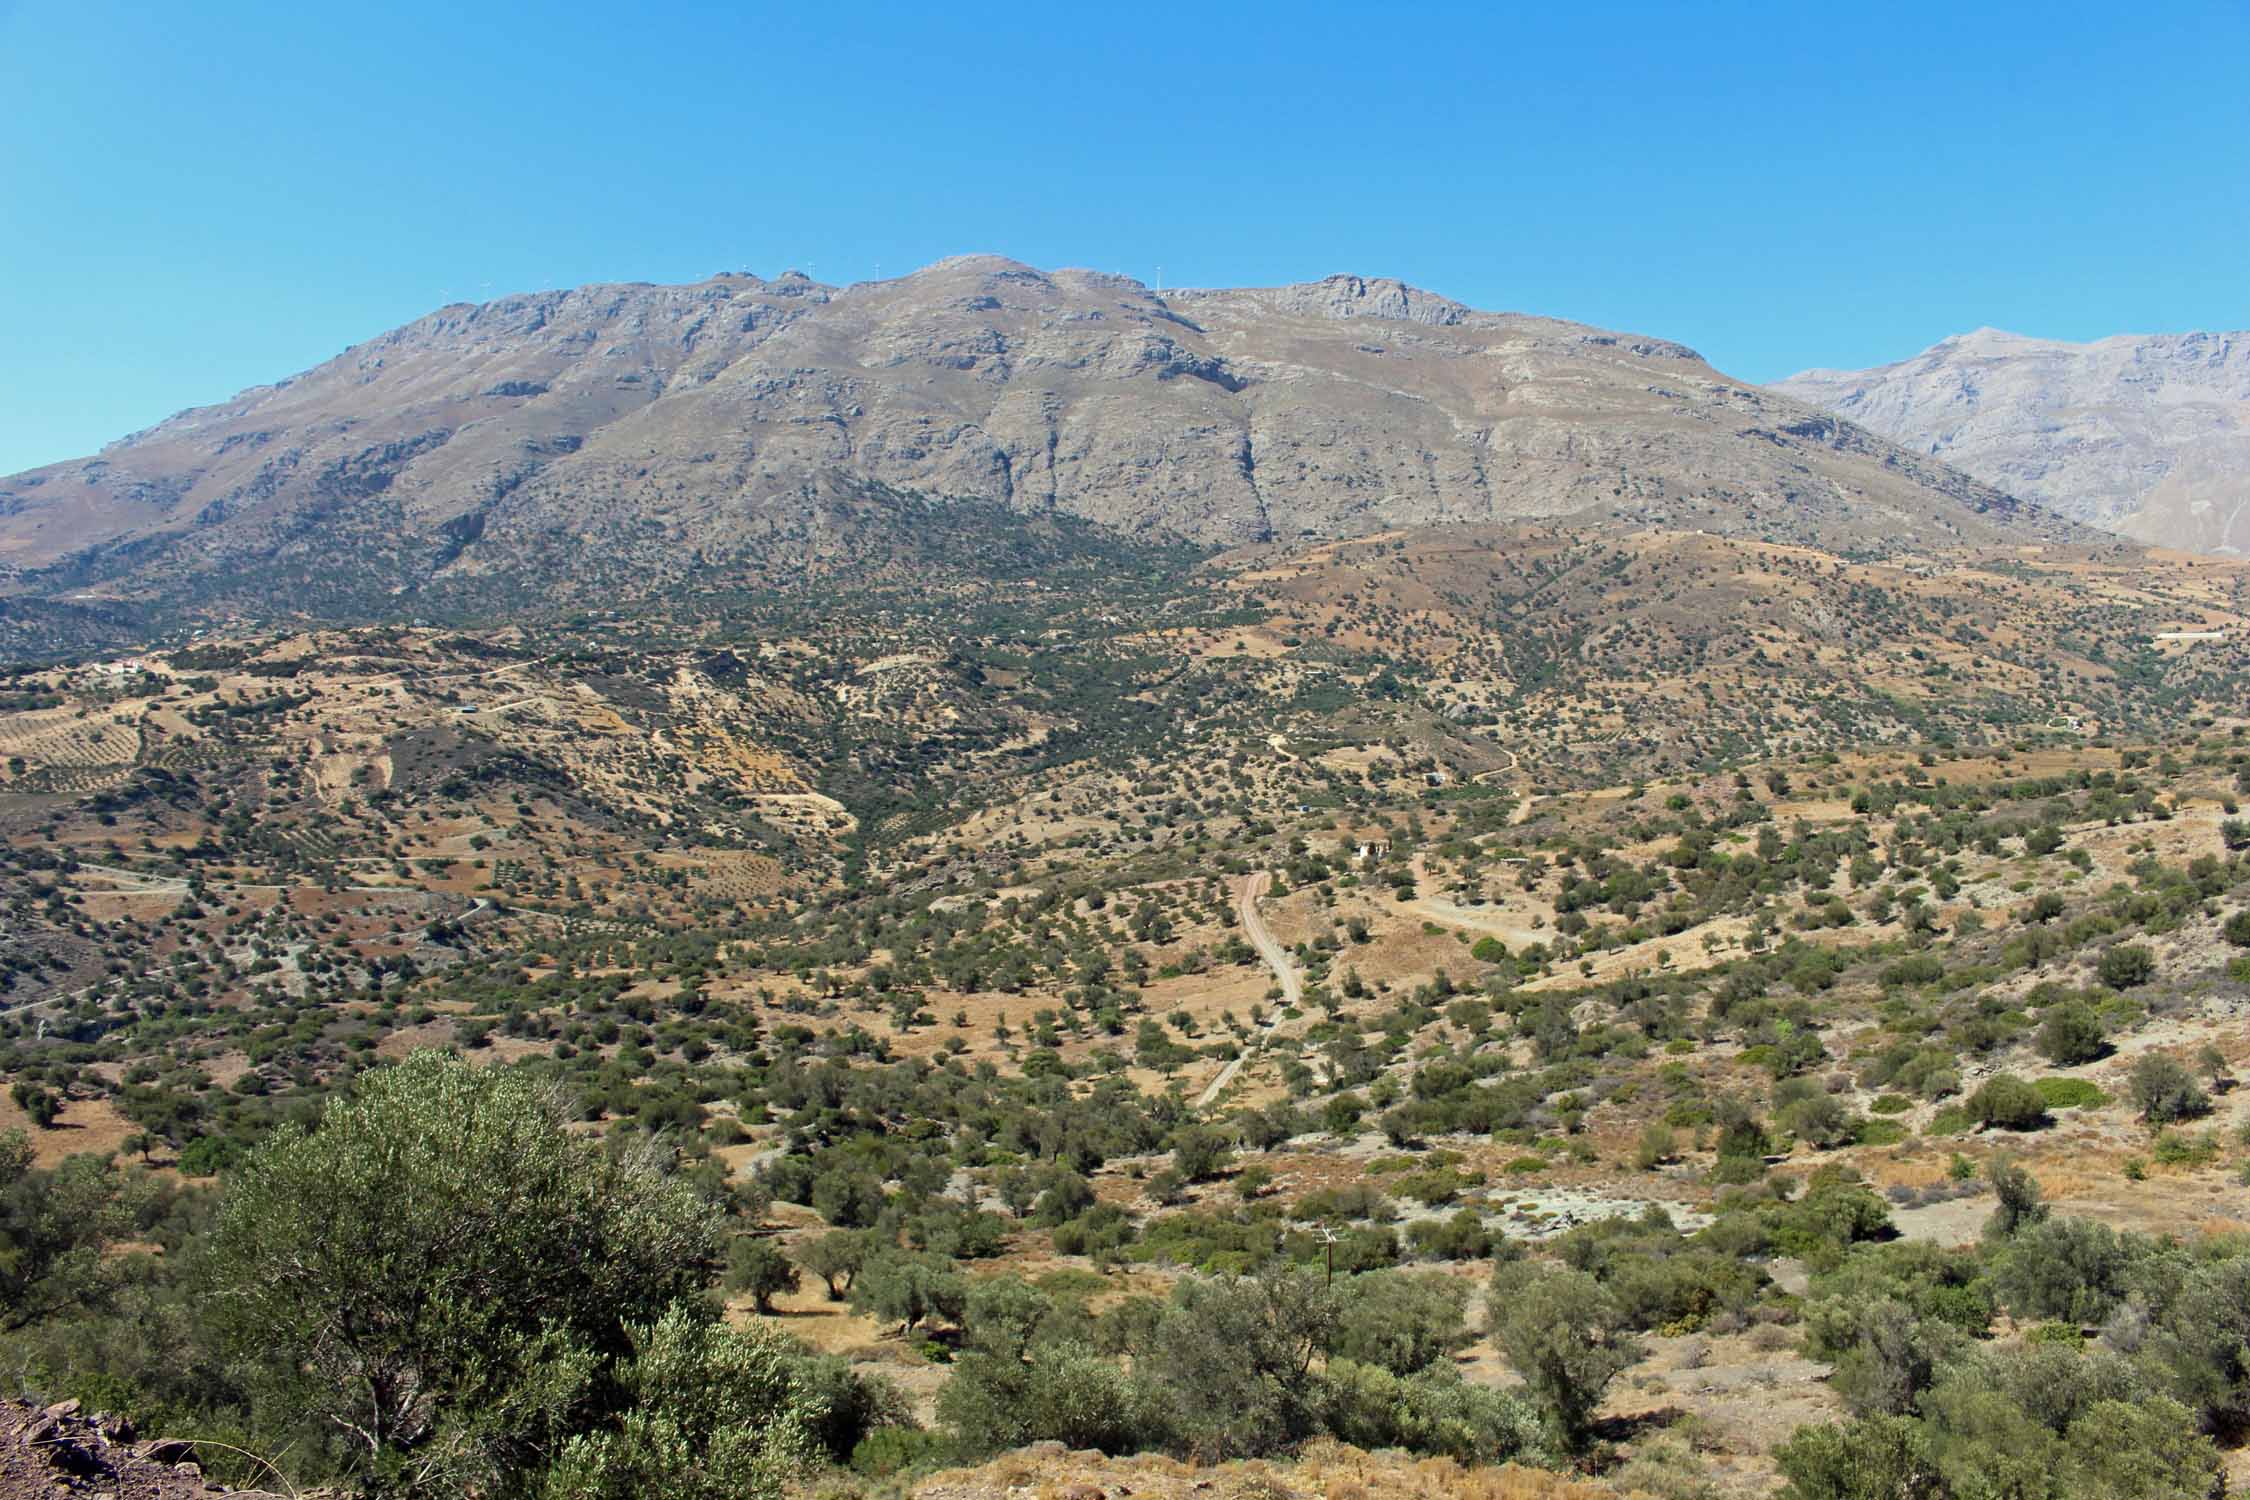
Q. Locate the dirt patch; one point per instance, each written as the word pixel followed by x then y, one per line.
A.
pixel 85 1127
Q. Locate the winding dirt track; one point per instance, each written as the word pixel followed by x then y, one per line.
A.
pixel 1277 959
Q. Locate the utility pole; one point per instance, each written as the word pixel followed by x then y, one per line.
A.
pixel 1328 1244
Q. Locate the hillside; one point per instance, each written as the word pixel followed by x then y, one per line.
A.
pixel 1003 1001
pixel 579 442
pixel 2149 436
pixel 1758 1053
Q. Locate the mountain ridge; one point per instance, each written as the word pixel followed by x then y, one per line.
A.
pixel 708 421
pixel 2144 434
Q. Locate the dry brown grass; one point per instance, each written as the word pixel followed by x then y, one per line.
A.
pixel 1325 1471
pixel 85 1127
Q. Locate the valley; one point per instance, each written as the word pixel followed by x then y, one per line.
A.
pixel 1712 918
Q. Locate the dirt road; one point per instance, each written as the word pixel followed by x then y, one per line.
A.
pixel 1276 958
pixel 1254 927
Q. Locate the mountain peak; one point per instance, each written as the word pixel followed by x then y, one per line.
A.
pixel 549 435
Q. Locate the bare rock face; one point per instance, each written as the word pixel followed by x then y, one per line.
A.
pixel 2147 436
pixel 702 419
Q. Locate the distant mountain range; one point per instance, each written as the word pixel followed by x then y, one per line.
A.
pixel 2149 436
pixel 560 440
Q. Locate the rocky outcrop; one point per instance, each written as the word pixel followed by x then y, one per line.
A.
pixel 2149 436
pixel 705 420
pixel 53 1451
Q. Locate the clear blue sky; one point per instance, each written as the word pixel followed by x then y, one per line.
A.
pixel 199 197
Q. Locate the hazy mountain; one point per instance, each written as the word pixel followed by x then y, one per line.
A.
pixel 2145 435
pixel 572 437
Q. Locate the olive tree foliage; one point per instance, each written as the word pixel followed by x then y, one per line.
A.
pixel 2071 1032
pixel 1228 1367
pixel 439 1270
pixel 55 1230
pixel 908 1288
pixel 1889 1317
pixel 2205 1342
pixel 1895 1357
pixel 1399 1322
pixel 1565 1335
pixel 710 1413
pixel 2030 1423
pixel 1199 1153
pixel 1876 1458
pixel 1432 1411
pixel 1235 1355
pixel 2020 1204
pixel 2163 1089
pixel 1028 1375
pixel 2008 1102
pixel 757 1267
pixel 2126 965
pixel 2072 1270
pixel 836 1258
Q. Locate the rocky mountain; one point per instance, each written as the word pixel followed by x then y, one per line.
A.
pixel 2149 436
pixel 578 440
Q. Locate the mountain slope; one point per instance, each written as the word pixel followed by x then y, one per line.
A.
pixel 583 437
pixel 2148 436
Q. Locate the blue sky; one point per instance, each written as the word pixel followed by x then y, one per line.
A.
pixel 195 198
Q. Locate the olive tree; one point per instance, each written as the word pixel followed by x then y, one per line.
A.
pixel 439 1269
pixel 1399 1322
pixel 836 1258
pixel 1235 1357
pixel 2008 1103
pixel 56 1231
pixel 757 1267
pixel 710 1413
pixel 2163 1089
pixel 1565 1335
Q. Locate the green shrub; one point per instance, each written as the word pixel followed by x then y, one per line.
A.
pixel 2126 965
pixel 1875 1458
pixel 1234 1357
pixel 2008 1102
pixel 1434 1412
pixel 2067 1335
pixel 895 1450
pixel 1819 1119
pixel 2163 1090
pixel 2020 1202
pixel 1462 1237
pixel 1402 1322
pixel 2173 1149
pixel 1879 1133
pixel 1062 1392
pixel 1200 1153
pixel 210 1156
pixel 2070 1033
pixel 2075 1270
pixel 2070 1093
pixel 1656 1146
